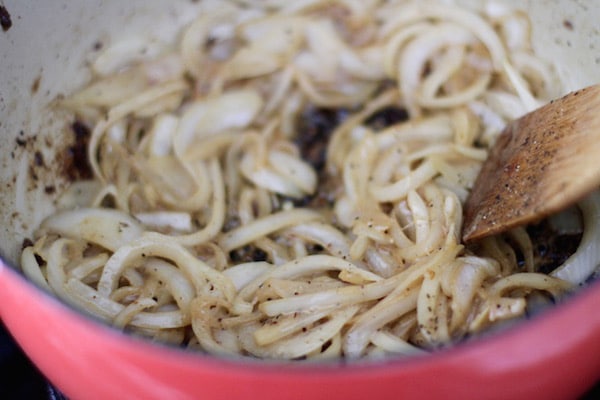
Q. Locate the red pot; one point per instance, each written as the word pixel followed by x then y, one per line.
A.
pixel 553 356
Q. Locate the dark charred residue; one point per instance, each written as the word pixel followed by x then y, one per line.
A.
pixel 108 202
pixel 25 143
pixel 38 159
pixel 231 223
pixel 519 256
pixel 80 130
pixel 387 117
pixel 26 243
pixel 248 253
pixel 50 189
pixel 74 161
pixel 314 129
pixel 386 207
pixel 97 45
pixel 5 20
pixel 316 125
pixel 21 139
pixel 551 249
pixel 314 248
pixel 209 43
pixel 35 86
pixel 33 174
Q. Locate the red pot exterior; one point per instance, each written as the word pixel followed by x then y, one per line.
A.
pixel 557 356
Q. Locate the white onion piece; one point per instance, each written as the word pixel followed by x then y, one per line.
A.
pixel 109 91
pixel 345 211
pixel 394 344
pixel 174 279
pixel 490 119
pixel 235 109
pixel 104 227
pixel 32 270
pixel 79 194
pixel 276 34
pixel 333 240
pixel 324 43
pixel 180 221
pixel 253 230
pixel 270 180
pixel 400 188
pixel 162 134
pixel 437 128
pixel 216 25
pixel 271 42
pixel 586 259
pixel 164 68
pixel 414 57
pixel 285 175
pixel 508 105
pixel 88 299
pixel 125 52
pixel 117 131
pixel 294 169
pixel 423 10
pixel 521 87
pixel 567 222
pixel 497 9
pixel 251 62
pixel 516 31
pixel 243 274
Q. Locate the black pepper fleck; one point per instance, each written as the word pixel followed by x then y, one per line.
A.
pixel 568 24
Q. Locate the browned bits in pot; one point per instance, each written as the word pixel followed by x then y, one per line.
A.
pixel 26 243
pixel 552 248
pixel 74 159
pixel 314 127
pixel 21 141
pixel 35 86
pixel 568 24
pixel 386 117
pixel 38 159
pixel 5 20
pixel 248 253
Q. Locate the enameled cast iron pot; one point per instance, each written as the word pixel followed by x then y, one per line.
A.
pixel 43 54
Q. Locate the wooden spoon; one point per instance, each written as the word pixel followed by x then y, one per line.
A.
pixel 541 163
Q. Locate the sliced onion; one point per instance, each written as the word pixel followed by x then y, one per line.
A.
pixel 161 135
pixel 586 259
pixel 125 52
pixel 104 227
pixel 243 274
pixel 235 109
pixel 180 221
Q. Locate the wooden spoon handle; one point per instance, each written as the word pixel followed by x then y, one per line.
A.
pixel 541 163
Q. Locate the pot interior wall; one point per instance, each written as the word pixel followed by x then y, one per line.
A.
pixel 45 52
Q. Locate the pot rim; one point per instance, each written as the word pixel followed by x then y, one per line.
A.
pixel 573 305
